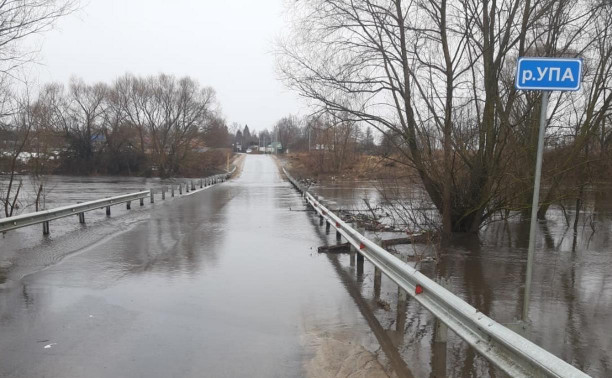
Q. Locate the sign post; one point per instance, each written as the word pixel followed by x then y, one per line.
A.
pixel 545 75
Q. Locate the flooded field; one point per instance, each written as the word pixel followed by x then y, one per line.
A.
pixel 571 300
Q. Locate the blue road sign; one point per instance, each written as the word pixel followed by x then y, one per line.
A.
pixel 548 74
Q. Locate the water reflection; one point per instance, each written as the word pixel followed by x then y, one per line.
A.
pixel 571 293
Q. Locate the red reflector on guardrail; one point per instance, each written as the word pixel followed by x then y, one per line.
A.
pixel 337 224
pixel 361 246
pixel 418 289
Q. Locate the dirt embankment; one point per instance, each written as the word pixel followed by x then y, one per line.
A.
pixel 313 165
pixel 238 162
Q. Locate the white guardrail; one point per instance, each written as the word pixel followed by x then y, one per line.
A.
pixel 45 216
pixel 509 351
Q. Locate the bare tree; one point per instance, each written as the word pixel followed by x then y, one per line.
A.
pixel 21 19
pixel 435 74
pixel 20 123
pixel 173 111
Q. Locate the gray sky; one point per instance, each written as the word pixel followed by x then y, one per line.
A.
pixel 226 44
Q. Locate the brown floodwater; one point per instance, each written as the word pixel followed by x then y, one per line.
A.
pixel 570 310
pixel 227 282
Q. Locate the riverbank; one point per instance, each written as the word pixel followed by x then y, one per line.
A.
pixel 315 166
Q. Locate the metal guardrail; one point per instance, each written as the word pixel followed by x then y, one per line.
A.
pixel 45 216
pixel 512 353
pixel 28 219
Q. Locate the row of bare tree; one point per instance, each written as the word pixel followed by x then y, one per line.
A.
pixel 20 20
pixel 136 125
pixel 436 77
pixel 332 140
pixel 100 128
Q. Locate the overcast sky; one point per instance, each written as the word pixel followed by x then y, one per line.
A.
pixel 224 44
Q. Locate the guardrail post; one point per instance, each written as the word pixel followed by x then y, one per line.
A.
pixel 108 213
pixel 45 227
pixel 352 253
pixel 438 360
pixel 163 193
pixel 128 205
pixel 186 187
pixel 338 236
pixel 192 186
pixel 377 273
pixel 441 331
pixel 172 190
pixel 142 202
pixel 81 218
pixel 402 297
pixel 201 183
pixel 327 226
pixel 152 196
pixel 320 220
pixel 180 187
pixel 360 258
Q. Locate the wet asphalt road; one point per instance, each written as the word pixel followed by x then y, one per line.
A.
pixel 223 283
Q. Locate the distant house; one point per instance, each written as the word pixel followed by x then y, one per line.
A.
pixel 98 139
pixel 274 147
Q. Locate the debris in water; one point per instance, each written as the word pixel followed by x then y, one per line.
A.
pixel 384 305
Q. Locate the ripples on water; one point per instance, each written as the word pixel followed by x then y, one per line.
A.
pixel 571 307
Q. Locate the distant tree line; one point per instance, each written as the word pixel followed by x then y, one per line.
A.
pixel 132 126
pixel 333 140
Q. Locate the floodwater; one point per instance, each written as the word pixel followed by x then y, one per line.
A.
pixel 570 311
pixel 227 282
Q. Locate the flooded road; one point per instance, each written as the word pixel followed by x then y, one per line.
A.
pixel 227 282
pixel 223 283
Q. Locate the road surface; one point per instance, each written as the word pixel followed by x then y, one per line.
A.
pixel 223 283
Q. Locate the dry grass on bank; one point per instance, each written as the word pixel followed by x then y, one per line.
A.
pixel 314 165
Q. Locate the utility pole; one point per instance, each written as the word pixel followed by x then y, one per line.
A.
pixel 309 128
